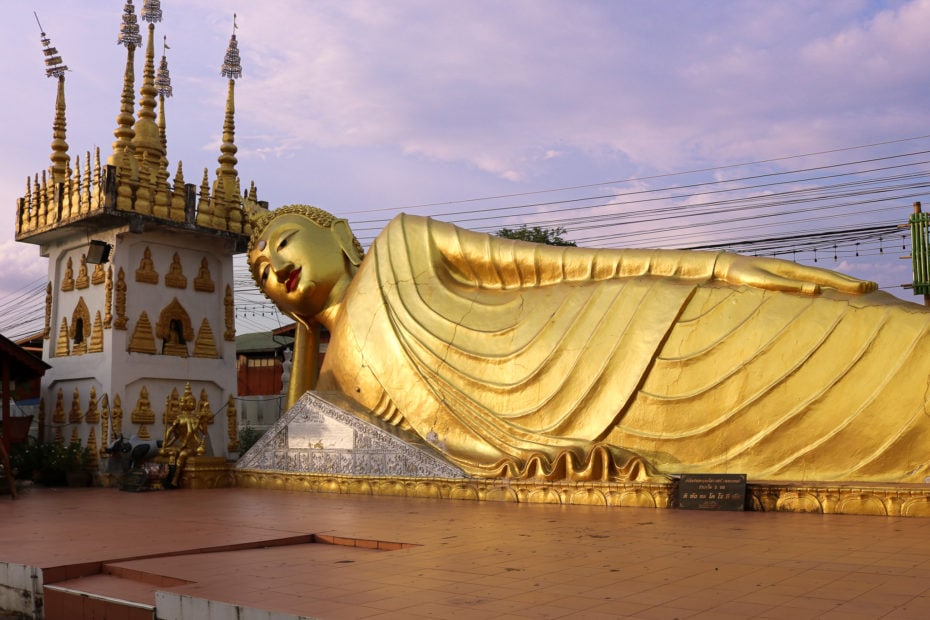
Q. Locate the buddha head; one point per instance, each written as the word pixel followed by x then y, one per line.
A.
pixel 302 257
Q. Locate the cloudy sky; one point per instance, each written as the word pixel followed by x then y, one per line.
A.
pixel 495 113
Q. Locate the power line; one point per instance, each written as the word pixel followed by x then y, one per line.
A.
pixel 650 177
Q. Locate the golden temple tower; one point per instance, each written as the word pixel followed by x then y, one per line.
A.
pixel 140 266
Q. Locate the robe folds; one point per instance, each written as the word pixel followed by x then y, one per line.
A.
pixel 517 359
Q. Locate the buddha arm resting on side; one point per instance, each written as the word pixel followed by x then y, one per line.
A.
pixel 493 261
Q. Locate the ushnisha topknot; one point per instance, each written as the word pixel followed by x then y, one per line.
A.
pixel 323 219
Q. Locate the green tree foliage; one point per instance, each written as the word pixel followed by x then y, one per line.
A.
pixel 536 234
pixel 247 438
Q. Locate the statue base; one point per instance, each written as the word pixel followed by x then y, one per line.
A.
pixel 887 500
pixel 207 472
pixel 324 444
pixel 203 472
pixel 878 500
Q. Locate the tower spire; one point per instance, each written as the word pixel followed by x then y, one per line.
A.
pixel 147 139
pixel 164 197
pixel 59 156
pixel 226 189
pixel 232 68
pixel 124 133
pixel 227 158
pixel 163 86
pixel 55 67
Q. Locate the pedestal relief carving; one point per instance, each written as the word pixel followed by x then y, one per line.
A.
pixel 75 416
pixel 143 341
pixel 108 300
pixel 83 280
pixel 67 283
pixel 205 345
pixel 204 280
pixel 63 345
pixel 96 335
pixel 121 318
pixel 104 424
pixel 99 276
pixel 142 413
pixel 46 331
pixel 92 416
pixel 80 328
pixel 146 271
pixel 175 277
pixel 58 417
pixel 175 329
pixel 117 416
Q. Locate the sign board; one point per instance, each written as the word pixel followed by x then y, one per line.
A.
pixel 712 491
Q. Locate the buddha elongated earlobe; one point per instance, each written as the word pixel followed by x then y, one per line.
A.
pixel 347 241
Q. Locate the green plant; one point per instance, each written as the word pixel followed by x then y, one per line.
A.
pixel 49 460
pixel 25 458
pixel 247 438
pixel 76 457
pixel 536 234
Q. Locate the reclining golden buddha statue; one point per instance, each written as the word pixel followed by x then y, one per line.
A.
pixel 522 360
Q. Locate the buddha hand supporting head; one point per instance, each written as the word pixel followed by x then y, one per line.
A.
pixel 303 258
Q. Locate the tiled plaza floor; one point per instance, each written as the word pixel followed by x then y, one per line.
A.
pixel 462 559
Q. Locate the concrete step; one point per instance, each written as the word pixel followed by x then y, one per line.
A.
pixel 114 593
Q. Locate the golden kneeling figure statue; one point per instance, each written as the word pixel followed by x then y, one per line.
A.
pixel 523 360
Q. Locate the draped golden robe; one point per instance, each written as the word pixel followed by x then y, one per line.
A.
pixel 520 360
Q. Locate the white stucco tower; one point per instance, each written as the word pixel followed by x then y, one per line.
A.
pixel 139 300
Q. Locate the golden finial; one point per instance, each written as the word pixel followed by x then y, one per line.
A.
pixel 232 68
pixel 96 169
pixel 163 196
pixel 147 139
pixel 227 158
pixel 124 133
pixel 59 156
pixel 55 67
pixel 225 189
pixel 204 208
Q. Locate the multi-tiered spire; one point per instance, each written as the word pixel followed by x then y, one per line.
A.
pixel 135 177
pixel 147 140
pixel 226 187
pixel 124 133
pixel 56 68
pixel 163 86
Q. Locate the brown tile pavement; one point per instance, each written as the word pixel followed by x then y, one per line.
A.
pixel 475 560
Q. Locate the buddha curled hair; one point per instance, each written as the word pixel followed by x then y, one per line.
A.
pixel 323 219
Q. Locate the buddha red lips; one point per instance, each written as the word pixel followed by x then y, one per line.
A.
pixel 292 280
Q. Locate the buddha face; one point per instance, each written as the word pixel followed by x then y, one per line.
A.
pixel 297 264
